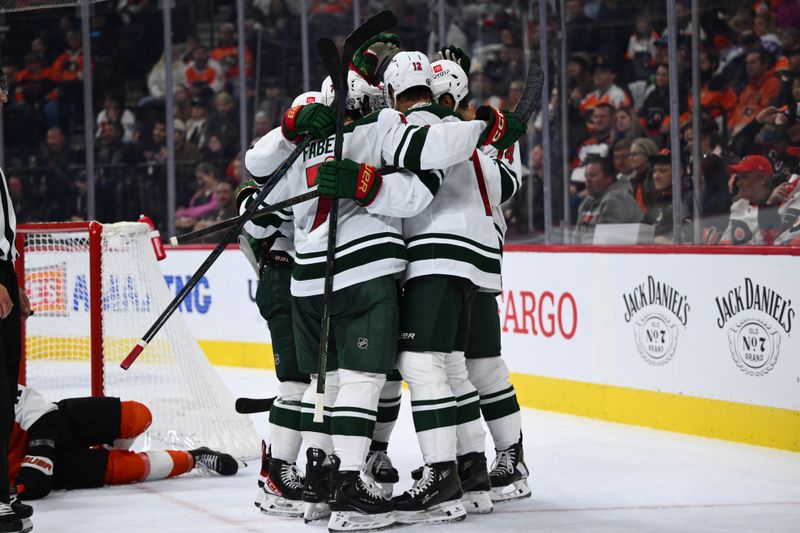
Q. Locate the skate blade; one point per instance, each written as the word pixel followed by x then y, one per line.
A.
pixel 353 521
pixel 278 506
pixel 259 497
pixel 316 511
pixel 452 511
pixel 516 491
pixel 27 525
pixel 478 502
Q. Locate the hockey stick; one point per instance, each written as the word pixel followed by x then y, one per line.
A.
pixel 337 69
pixel 254 405
pixel 228 238
pixel 258 215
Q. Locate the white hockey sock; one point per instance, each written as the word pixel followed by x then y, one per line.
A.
pixel 388 409
pixel 470 434
pixel 432 404
pixel 354 413
pixel 284 421
pixel 498 399
pixel 318 435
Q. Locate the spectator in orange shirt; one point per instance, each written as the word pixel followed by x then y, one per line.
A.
pixel 203 73
pixel 227 54
pixel 68 72
pixel 605 91
pixel 762 87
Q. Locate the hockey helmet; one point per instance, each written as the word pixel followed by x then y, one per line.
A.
pixel 449 78
pixel 311 97
pixel 406 70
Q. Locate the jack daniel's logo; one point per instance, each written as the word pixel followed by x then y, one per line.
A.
pixel 656 308
pixel 755 312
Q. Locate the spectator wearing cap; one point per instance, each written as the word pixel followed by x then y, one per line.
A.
pixel 605 92
pixel 607 200
pixel 197 125
pixel 754 215
pixel 763 85
pixel 226 54
pixel 203 72
pixel 659 205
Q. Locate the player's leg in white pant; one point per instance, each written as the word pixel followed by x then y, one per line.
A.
pixel 502 415
pixel 471 437
pixel 379 465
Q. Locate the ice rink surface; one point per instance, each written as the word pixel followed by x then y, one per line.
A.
pixel 588 476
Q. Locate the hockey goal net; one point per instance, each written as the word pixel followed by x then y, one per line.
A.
pixel 94 290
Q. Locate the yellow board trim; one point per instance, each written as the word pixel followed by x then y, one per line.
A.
pixel 738 422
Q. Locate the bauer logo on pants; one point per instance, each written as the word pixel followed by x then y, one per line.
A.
pixel 656 309
pixel 754 315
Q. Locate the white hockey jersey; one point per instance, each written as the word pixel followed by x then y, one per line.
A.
pixel 455 234
pixel 369 239
pixel 751 224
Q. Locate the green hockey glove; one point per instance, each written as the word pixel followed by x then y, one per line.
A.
pixel 348 179
pixel 317 120
pixel 370 56
pixel 456 55
pixel 502 128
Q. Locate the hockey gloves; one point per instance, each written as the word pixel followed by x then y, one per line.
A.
pixel 348 179
pixel 317 120
pixel 502 128
pixel 457 56
pixel 35 477
pixel 373 54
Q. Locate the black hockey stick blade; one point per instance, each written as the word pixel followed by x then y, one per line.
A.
pixel 385 20
pixel 254 405
pixel 531 97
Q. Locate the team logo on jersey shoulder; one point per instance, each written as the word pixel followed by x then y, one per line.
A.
pixel 362 343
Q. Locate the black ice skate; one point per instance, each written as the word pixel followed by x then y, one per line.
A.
pixel 434 498
pixel 283 490
pixel 380 467
pixel 9 521
pixel 357 503
pixel 317 489
pixel 262 475
pixel 475 483
pixel 209 460
pixel 509 475
pixel 23 511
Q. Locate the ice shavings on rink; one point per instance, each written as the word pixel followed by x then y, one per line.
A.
pixel 587 476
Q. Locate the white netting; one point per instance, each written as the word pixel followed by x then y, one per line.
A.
pixel 190 404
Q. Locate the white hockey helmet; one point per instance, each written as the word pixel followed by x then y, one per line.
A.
pixel 406 70
pixel 311 97
pixel 358 91
pixel 449 78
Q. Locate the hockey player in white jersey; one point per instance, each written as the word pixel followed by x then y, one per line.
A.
pixel 487 371
pixel 369 255
pixel 453 252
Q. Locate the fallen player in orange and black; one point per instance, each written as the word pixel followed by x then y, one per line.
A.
pixel 62 446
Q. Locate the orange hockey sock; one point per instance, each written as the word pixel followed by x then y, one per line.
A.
pixel 127 467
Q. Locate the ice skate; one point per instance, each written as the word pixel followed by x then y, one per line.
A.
pixel 380 467
pixel 23 511
pixel 475 483
pixel 357 502
pixel 509 475
pixel 283 490
pixel 209 460
pixel 434 498
pixel 262 475
pixel 316 490
pixel 9 521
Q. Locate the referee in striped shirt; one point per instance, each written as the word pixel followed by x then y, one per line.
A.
pixel 14 306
